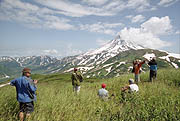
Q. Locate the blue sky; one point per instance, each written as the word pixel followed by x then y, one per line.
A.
pixel 69 27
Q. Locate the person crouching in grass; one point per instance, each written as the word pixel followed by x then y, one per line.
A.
pixel 132 87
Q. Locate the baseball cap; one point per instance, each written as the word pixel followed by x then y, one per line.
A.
pixel 103 85
pixel 75 69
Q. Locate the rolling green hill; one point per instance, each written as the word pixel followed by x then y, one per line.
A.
pixel 157 101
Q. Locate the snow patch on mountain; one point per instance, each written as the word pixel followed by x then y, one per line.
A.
pixel 84 69
pixel 174 55
pixel 107 65
pixel 149 56
pixel 130 68
pixel 120 64
pixel 6 58
pixel 165 58
pixel 175 65
pixel 108 69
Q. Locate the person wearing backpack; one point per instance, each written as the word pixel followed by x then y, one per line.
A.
pixel 25 88
pixel 153 69
pixel 77 78
pixel 136 67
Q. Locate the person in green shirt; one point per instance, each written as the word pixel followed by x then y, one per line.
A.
pixel 77 78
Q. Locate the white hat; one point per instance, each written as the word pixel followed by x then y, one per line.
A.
pixel 131 81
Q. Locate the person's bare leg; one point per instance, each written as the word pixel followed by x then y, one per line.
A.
pixel 27 116
pixel 21 116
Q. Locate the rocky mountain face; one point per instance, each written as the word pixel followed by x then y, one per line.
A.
pixel 112 59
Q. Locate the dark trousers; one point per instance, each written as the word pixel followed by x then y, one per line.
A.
pixel 153 74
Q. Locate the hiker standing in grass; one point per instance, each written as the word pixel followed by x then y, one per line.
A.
pixel 103 93
pixel 25 88
pixel 153 69
pixel 77 78
pixel 137 66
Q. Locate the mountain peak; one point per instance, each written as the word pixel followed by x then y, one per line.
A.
pixel 115 46
pixel 110 49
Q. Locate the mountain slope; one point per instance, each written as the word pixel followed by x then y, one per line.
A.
pixel 109 50
pixel 113 59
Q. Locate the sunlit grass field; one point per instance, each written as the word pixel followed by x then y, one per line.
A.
pixel 156 101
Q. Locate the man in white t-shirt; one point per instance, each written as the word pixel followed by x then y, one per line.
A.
pixel 103 93
pixel 132 87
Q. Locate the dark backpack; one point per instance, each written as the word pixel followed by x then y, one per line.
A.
pixel 133 70
pixel 80 77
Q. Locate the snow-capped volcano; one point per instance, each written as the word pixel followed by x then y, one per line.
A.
pixel 107 51
pixel 115 46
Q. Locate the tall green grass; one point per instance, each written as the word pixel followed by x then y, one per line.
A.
pixel 157 101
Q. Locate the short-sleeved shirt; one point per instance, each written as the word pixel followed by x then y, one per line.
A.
pixel 25 89
pixel 103 93
pixel 134 88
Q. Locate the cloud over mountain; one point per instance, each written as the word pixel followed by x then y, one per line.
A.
pixel 149 32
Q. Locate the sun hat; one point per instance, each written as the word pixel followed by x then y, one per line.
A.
pixel 26 70
pixel 131 81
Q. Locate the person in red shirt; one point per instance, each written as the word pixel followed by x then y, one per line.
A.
pixel 137 66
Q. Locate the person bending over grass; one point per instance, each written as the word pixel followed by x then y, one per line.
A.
pixel 132 87
pixel 103 93
pixel 25 88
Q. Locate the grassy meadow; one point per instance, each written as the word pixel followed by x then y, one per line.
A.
pixel 156 101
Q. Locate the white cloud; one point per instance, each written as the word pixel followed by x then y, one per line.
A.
pixel 95 2
pixel 177 32
pixel 49 14
pixel 71 50
pixel 106 28
pixel 101 42
pixel 113 25
pixel 157 26
pixel 138 36
pixel 129 16
pixel 74 9
pixel 32 16
pixel 139 5
pixel 49 52
pixel 94 7
pixel 148 33
pixel 166 3
pixel 138 18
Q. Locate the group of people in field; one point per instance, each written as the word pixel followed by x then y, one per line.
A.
pixel 133 83
pixel 26 87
